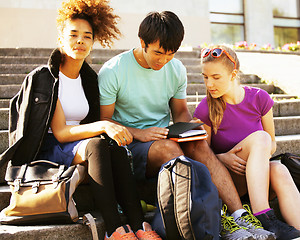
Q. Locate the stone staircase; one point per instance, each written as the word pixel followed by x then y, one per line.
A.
pixel 16 63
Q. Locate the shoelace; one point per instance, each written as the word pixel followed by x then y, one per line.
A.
pixel 228 222
pixel 151 235
pixel 250 218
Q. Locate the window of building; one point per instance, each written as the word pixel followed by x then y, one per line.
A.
pixel 286 19
pixel 227 21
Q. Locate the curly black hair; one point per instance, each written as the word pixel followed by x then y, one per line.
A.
pixel 97 12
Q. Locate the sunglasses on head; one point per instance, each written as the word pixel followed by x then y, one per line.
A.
pixel 216 53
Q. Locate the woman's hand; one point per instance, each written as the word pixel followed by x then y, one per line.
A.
pixel 118 133
pixel 233 162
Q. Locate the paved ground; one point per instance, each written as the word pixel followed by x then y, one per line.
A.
pixel 283 70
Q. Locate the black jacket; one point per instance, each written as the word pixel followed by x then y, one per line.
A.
pixel 31 110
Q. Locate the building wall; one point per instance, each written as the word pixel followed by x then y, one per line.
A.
pixel 259 21
pixel 31 23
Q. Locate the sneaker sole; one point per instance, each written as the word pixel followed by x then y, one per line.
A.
pixel 249 238
pixel 271 238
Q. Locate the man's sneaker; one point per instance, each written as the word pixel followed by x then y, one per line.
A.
pixel 253 226
pixel 230 230
pixel 147 233
pixel 123 232
pixel 282 230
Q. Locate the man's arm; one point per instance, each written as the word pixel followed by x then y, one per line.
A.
pixel 179 110
pixel 143 135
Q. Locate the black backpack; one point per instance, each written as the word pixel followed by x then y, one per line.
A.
pixel 188 202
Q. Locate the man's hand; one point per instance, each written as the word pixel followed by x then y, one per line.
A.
pixel 196 120
pixel 150 134
pixel 233 162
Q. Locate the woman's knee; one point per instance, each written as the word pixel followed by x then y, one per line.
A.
pixel 96 144
pixel 279 172
pixel 260 139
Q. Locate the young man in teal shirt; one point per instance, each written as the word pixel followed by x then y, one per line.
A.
pixel 140 88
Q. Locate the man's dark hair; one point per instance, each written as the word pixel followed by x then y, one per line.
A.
pixel 165 27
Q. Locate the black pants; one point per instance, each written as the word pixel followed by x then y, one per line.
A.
pixel 112 183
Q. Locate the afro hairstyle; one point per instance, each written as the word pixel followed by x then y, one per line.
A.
pixel 97 12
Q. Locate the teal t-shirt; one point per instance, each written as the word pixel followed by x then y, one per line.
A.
pixel 141 95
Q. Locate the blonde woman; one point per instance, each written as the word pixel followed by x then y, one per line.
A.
pixel 240 127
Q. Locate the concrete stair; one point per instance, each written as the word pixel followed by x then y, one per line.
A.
pixel 16 63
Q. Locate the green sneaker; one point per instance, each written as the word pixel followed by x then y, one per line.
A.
pixel 230 230
pixel 253 225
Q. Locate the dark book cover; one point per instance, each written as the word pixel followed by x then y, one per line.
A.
pixel 181 127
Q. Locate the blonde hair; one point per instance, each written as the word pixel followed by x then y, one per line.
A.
pixel 97 12
pixel 217 106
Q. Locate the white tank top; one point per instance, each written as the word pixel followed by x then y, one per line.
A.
pixel 72 99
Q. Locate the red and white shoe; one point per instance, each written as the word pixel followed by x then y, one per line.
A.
pixel 123 232
pixel 147 233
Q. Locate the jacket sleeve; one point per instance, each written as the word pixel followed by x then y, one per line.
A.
pixel 18 118
pixel 19 111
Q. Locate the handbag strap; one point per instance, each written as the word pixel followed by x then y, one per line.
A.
pixel 56 177
pixel 20 177
pixel 43 161
pixel 89 220
pixel 22 171
pixel 277 157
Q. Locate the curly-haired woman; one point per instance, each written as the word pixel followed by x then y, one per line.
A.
pixel 67 127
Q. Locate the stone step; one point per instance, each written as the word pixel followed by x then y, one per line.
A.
pixel 283 126
pixel 8 91
pixel 283 108
pixel 15 73
pixel 17 78
pixel 3 141
pixel 27 68
pixel 12 78
pixel 285 143
pixel 288 143
pixel 199 88
pixel 95 60
pixel 76 231
pixel 84 204
pixel 286 125
pixel 45 52
pixel 278 98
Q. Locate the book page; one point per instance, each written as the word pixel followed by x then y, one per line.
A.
pixel 192 133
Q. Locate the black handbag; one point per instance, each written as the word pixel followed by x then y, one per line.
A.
pixel 42 193
pixel 292 162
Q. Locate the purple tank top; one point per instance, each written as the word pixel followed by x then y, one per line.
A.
pixel 239 120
